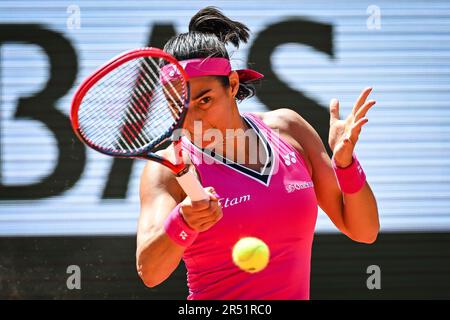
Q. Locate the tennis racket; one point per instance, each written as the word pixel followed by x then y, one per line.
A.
pixel 132 105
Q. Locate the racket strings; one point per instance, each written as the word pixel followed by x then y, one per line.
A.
pixel 130 107
pixel 159 100
pixel 100 135
pixel 141 99
pixel 134 118
pixel 93 123
pixel 112 98
pixel 176 101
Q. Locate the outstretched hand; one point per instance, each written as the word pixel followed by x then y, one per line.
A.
pixel 344 134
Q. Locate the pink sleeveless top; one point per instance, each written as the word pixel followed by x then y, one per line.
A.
pixel 279 206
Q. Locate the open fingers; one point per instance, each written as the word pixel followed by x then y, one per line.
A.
pixel 363 110
pixel 356 130
pixel 334 110
pixel 361 99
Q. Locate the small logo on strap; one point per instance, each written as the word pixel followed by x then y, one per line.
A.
pixel 289 158
pixel 183 235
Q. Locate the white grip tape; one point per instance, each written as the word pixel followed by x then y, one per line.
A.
pixel 192 187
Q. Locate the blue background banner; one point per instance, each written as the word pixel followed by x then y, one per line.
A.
pixel 310 52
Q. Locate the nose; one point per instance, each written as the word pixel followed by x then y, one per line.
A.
pixel 194 113
pixel 191 116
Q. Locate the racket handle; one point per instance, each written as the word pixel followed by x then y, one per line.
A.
pixel 192 187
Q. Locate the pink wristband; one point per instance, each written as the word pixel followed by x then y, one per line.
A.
pixel 178 230
pixel 352 178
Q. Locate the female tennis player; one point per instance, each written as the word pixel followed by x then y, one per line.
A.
pixel 274 198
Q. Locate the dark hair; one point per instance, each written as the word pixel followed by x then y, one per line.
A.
pixel 209 32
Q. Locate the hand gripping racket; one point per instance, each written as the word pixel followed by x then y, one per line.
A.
pixel 133 104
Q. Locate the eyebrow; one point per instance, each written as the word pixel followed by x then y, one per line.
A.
pixel 205 91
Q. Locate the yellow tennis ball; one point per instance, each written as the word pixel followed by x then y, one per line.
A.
pixel 251 254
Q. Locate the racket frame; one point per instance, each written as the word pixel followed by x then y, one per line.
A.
pixel 145 152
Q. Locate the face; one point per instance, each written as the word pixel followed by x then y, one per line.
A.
pixel 212 104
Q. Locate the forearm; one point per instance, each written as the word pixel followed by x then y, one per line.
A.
pixel 359 206
pixel 360 215
pixel 157 257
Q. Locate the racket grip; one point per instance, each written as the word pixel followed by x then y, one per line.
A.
pixel 192 186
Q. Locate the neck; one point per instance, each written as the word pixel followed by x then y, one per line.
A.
pixel 240 143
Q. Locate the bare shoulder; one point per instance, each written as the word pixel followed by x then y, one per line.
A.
pixel 293 128
pixel 282 119
pixel 289 123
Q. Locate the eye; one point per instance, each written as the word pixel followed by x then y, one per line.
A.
pixel 204 100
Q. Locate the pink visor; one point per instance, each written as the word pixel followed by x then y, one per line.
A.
pixel 207 67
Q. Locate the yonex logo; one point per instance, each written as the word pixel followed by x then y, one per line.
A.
pixel 360 170
pixel 173 71
pixel 289 158
pixel 291 187
pixel 183 235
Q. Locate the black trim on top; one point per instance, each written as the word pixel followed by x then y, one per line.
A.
pixel 265 174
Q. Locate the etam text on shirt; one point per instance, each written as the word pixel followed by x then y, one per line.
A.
pixel 229 202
